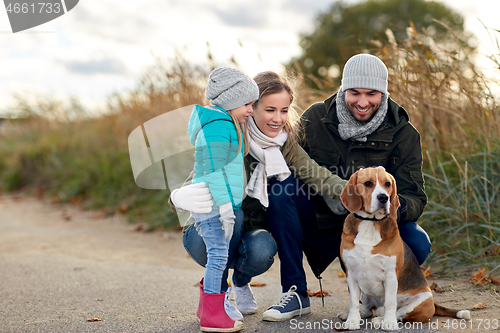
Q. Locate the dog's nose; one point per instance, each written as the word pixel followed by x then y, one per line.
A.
pixel 382 198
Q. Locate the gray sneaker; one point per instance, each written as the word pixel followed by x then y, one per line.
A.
pixel 290 304
pixel 245 301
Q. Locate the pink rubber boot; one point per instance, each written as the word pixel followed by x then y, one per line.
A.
pixel 213 315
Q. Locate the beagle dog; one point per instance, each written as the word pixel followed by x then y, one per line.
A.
pixel 378 263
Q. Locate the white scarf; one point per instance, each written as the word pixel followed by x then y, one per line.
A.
pixel 267 152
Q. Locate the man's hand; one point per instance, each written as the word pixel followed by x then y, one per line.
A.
pixel 335 205
pixel 195 198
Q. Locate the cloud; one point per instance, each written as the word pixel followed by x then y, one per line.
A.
pixel 102 66
pixel 128 24
pixel 307 7
pixel 242 15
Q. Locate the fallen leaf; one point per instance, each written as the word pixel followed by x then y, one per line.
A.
pixel 123 208
pixel 257 284
pixel 426 271
pixel 39 193
pixel 17 198
pixel 100 299
pixel 495 280
pixel 139 227
pixel 93 319
pixel 479 306
pixel 76 200
pixel 495 250
pixel 341 274
pixel 318 293
pixel 435 288
pixel 478 276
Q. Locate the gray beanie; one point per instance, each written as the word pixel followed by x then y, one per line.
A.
pixel 365 71
pixel 229 88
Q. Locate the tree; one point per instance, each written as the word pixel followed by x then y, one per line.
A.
pixel 345 30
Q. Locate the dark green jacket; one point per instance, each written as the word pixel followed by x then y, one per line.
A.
pixel 395 145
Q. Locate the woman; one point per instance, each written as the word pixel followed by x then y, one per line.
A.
pixel 277 202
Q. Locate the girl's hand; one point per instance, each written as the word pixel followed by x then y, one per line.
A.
pixel 227 219
pixel 195 198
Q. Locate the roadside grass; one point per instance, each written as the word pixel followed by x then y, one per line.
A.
pixel 84 159
pixel 58 151
pixel 463 215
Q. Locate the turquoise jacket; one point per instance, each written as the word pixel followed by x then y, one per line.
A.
pixel 217 160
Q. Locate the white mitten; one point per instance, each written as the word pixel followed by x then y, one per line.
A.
pixel 227 219
pixel 335 205
pixel 195 198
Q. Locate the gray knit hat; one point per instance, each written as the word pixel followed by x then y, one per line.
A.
pixel 365 71
pixel 229 88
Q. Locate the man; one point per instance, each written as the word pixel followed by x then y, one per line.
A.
pixel 358 127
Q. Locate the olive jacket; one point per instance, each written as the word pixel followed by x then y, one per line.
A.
pixel 395 145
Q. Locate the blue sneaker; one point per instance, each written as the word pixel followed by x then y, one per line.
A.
pixel 288 306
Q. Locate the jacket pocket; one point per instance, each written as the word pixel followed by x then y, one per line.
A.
pixel 417 179
pixel 329 159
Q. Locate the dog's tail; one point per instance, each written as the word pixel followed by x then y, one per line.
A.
pixel 445 312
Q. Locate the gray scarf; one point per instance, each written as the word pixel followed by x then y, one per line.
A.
pixel 350 127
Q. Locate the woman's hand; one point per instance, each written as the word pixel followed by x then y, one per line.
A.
pixel 195 198
pixel 335 205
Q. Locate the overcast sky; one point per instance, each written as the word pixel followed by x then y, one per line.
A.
pixel 103 46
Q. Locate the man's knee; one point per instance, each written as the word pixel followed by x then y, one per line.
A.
pixel 417 239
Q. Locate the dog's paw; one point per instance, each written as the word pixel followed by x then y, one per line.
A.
pixel 377 322
pixel 352 323
pixel 379 312
pixel 343 315
pixel 390 325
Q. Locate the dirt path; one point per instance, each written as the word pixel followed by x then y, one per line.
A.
pixel 61 267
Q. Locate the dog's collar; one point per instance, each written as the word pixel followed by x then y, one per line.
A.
pixel 370 218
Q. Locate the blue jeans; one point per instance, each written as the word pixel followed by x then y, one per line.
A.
pixel 292 221
pixel 217 245
pixel 251 253
pixel 417 239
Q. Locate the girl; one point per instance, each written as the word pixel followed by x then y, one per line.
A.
pixel 216 133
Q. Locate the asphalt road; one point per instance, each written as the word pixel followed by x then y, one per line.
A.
pixel 61 268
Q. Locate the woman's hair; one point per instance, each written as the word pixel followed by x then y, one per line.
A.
pixel 271 83
pixel 241 138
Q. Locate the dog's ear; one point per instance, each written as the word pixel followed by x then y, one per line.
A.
pixel 350 196
pixel 394 199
